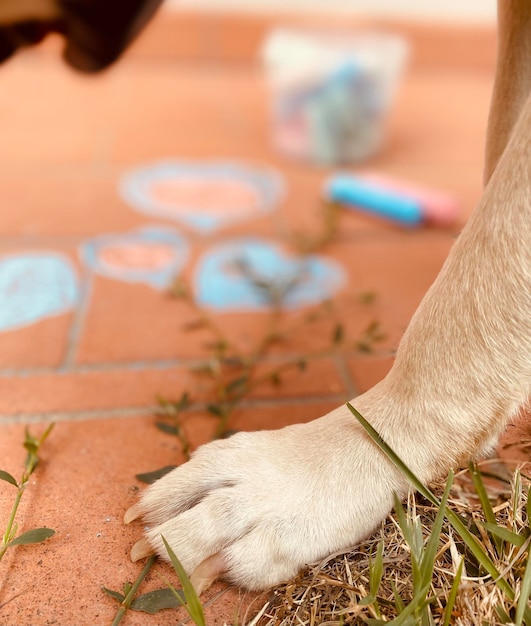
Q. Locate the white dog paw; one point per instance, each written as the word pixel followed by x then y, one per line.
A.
pixel 257 507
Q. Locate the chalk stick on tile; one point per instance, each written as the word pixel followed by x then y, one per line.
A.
pixel 373 198
pixel 407 204
pixel 438 208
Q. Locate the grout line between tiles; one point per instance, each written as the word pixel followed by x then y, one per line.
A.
pixel 89 414
pixel 163 364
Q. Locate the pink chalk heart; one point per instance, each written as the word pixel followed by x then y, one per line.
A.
pixel 152 255
pixel 139 255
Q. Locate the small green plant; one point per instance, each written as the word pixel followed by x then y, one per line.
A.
pixel 173 425
pixel 166 598
pixel 230 375
pixel 127 598
pixel 372 335
pixel 9 538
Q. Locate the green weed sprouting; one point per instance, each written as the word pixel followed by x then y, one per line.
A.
pixel 231 375
pixel 9 538
pixel 187 596
pixel 127 598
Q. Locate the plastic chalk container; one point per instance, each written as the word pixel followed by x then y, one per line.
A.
pixel 331 92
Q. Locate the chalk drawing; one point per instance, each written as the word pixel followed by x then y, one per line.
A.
pixel 152 255
pixel 221 285
pixel 35 286
pixel 203 196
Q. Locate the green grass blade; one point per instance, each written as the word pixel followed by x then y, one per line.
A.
pixel 503 615
pixel 376 570
pixel 482 493
pixel 432 545
pixel 391 455
pixel 399 603
pixel 486 505
pixel 472 543
pixel 418 602
pixel 408 533
pixel 505 534
pixel 525 592
pixel 477 550
pixel 46 433
pixel 418 540
pixel 450 603
pixel 429 554
pixel 193 604
pixel 375 576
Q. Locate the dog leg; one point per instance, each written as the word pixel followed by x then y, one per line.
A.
pixel 257 507
pixel 267 503
pixel 512 83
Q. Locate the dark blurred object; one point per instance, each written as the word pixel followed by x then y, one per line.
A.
pixel 96 31
pixel 17 35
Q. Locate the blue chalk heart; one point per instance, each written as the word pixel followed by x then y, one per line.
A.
pixel 33 287
pixel 263 188
pixel 242 274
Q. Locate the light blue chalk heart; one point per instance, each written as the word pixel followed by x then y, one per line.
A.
pixel 33 287
pixel 265 185
pixel 241 275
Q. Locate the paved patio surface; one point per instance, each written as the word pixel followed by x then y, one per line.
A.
pixel 95 347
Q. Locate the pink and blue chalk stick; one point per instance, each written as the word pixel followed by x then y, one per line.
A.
pixel 404 203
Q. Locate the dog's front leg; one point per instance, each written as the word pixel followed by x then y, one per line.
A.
pixel 466 355
pixel 259 506
pixel 512 84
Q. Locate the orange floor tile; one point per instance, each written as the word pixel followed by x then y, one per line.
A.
pixel 97 366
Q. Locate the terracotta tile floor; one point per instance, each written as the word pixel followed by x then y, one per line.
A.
pixel 97 365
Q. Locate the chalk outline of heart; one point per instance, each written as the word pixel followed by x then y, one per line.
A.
pixel 341 276
pixel 73 286
pixel 269 184
pixel 158 279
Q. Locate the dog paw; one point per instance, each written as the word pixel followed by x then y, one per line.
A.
pixel 257 507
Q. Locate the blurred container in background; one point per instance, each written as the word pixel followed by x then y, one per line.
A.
pixel 331 92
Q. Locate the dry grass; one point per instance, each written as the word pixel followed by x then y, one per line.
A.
pixel 344 589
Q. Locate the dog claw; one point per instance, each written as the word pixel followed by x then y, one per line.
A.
pixel 140 550
pixel 132 513
pixel 207 572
